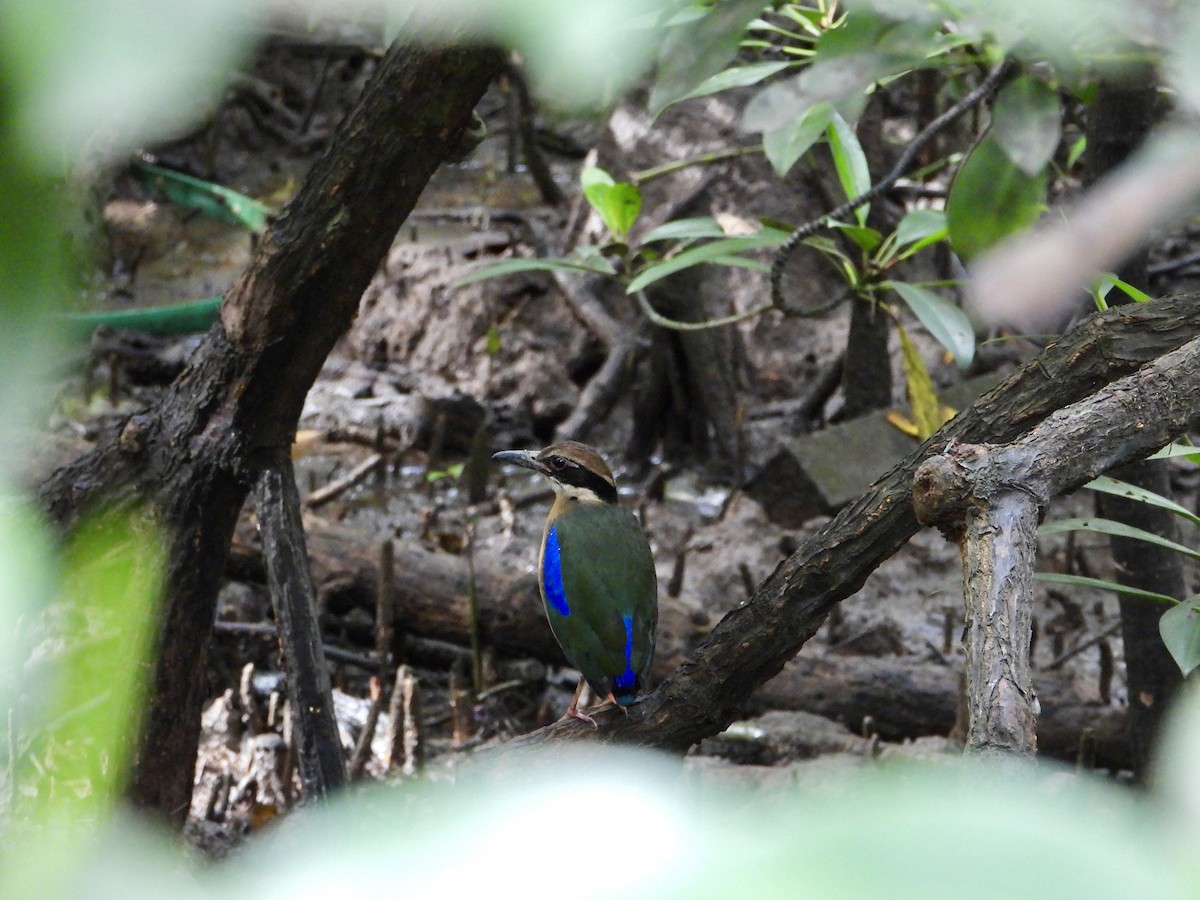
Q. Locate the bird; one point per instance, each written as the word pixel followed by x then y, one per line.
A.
pixel 596 575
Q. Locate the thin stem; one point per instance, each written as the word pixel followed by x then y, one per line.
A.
pixel 907 158
pixel 703 159
pixel 658 319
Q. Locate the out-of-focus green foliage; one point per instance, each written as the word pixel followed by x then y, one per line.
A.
pixel 513 825
pixel 74 724
pixel 131 68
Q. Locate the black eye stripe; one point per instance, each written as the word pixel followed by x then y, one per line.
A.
pixel 578 476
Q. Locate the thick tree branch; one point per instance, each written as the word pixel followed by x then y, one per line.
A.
pixel 198 453
pixel 754 641
pixel 990 497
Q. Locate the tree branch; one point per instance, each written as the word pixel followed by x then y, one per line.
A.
pixel 998 492
pixel 753 642
pixel 198 453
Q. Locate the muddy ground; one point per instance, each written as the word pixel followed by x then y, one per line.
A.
pixel 415 386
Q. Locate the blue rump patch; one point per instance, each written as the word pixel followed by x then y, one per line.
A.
pixel 552 581
pixel 627 680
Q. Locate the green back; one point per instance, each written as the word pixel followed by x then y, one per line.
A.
pixel 607 574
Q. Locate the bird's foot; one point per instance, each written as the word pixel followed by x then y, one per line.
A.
pixel 574 713
pixel 611 699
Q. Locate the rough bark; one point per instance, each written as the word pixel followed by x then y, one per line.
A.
pixel 752 643
pixel 318 746
pixel 990 499
pixel 198 453
pixel 999 550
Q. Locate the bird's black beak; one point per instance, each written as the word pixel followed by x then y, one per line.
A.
pixel 524 458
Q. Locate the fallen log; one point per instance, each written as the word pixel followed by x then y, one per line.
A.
pixel 430 593
pixel 901 696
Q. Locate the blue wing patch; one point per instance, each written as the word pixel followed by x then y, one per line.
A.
pixel 552 581
pixel 627 680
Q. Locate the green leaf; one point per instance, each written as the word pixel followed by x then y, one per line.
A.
pixel 27 575
pixel 1108 281
pixel 591 176
pixel 188 317
pixel 621 208
pixel 693 52
pixel 509 266
pixel 706 253
pixel 866 238
pixel 737 76
pixel 1027 123
pixel 850 162
pixel 1083 581
pixel 991 198
pixel 1117 529
pixel 921 226
pixel 113 572
pixel 211 199
pixel 783 146
pixel 1173 450
pixel 493 340
pixel 685 229
pixel 1180 630
pixel 848 61
pixel 1107 485
pixel 617 203
pixel 451 471
pixel 1077 150
pixel 741 262
pixel 945 321
pixel 926 408
pixel 779 104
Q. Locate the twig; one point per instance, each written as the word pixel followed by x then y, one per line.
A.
pixel 362 749
pixel 675 585
pixel 1172 265
pixel 250 718
pixel 311 107
pixel 897 172
pixel 460 707
pixel 1079 648
pixel 267 629
pixel 340 485
pixel 748 583
pixel 473 613
pixel 411 732
pixel 502 687
pixel 395 730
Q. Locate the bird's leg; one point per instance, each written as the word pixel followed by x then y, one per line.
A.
pixel 611 698
pixel 573 710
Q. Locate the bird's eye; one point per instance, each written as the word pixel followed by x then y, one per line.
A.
pixel 557 463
